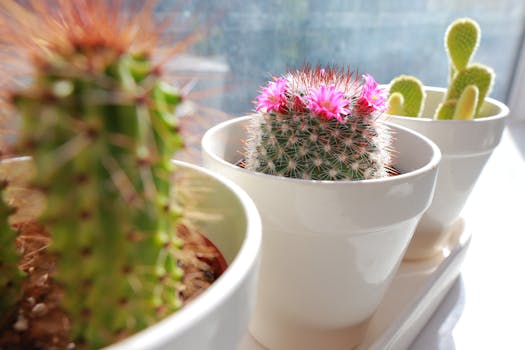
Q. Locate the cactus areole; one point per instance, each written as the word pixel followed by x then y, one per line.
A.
pixel 99 123
pixel 320 124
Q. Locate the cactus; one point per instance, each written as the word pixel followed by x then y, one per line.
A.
pixel 321 124
pixel 10 276
pixel 99 123
pixel 467 101
pixel 406 96
pixel 461 41
pixel 446 110
pixel 475 75
pixel 469 84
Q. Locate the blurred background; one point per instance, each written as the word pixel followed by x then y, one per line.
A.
pixel 247 41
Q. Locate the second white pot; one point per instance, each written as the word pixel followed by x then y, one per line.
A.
pixel 466 145
pixel 330 248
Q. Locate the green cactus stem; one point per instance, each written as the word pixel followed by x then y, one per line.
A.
pixel 468 82
pixel 105 169
pixel 413 95
pixel 451 73
pixel 11 275
pixel 445 110
pixel 325 128
pixel 395 104
pixel 476 74
pixel 461 41
pixel 99 123
pixel 467 103
pixel 459 109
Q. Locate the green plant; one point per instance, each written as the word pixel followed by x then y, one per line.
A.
pixel 321 124
pixel 406 96
pixel 98 121
pixel 469 82
pixel 10 275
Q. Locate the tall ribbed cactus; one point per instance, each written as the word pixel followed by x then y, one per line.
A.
pixel 99 124
pixel 469 83
pixel 319 124
pixel 10 274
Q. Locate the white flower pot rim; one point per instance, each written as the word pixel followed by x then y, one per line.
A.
pixel 206 145
pixel 168 328
pixel 503 111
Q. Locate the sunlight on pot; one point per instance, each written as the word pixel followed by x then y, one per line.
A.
pixel 330 248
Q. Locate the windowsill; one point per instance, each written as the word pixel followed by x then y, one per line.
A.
pixel 484 309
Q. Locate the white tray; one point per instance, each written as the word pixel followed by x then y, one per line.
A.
pixel 415 293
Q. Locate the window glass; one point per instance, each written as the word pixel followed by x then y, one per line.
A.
pixel 246 41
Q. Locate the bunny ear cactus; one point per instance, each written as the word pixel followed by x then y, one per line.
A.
pixel 99 123
pixel 466 103
pixel 475 75
pixel 461 41
pixel 469 83
pixel 406 96
pixel 320 124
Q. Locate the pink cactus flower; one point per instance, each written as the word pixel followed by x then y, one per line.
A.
pixel 373 98
pixel 328 103
pixel 273 97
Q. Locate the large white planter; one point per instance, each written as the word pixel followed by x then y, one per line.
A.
pixel 330 248
pixel 466 145
pixel 218 318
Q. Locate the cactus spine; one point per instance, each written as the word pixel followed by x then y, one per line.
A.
pixel 469 83
pixel 98 122
pixel 320 124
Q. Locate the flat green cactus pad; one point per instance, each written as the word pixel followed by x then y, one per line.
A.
pixel 395 104
pixel 467 103
pixel 461 41
pixel 445 111
pixel 413 94
pixel 476 74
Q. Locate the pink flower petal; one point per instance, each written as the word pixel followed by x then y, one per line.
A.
pixel 272 97
pixel 327 102
pixel 373 95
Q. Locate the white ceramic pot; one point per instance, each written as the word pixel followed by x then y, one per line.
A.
pixel 218 318
pixel 330 248
pixel 466 145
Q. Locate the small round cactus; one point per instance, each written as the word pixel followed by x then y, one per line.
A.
pixel 320 124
